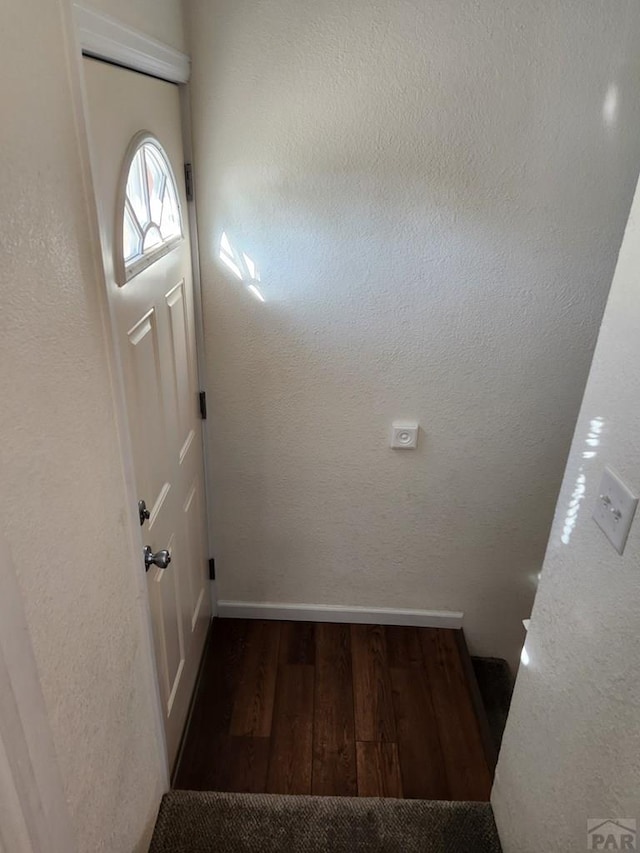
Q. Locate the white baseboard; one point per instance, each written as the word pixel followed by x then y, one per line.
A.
pixel 338 613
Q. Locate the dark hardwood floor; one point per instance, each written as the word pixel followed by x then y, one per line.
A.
pixel 342 710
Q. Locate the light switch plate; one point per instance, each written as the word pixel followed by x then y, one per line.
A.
pixel 614 509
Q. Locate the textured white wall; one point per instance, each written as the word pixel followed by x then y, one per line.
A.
pixel 572 744
pixel 62 504
pixel 434 198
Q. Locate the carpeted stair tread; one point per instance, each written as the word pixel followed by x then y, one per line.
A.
pixel 204 822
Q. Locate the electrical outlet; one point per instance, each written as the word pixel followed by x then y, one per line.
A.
pixel 614 509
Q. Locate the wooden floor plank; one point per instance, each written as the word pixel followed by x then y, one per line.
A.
pixel 290 756
pixel 338 710
pixel 490 751
pixel 253 706
pixel 213 702
pixel 403 647
pixel 468 774
pixel 237 764
pixel 334 750
pixel 420 755
pixel 378 769
pixel 297 643
pixel 373 704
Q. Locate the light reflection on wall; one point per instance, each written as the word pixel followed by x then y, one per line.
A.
pixel 226 255
pixel 241 265
pixel 577 496
pixel 610 106
pixel 255 291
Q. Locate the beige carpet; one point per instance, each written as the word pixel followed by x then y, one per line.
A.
pixel 203 822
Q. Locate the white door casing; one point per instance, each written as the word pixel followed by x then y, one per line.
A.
pixel 153 315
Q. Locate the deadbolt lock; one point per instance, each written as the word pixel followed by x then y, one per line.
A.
pixel 143 512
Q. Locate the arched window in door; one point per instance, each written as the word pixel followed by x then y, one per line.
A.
pixel 151 220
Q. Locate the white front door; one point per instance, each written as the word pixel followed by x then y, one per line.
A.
pixel 135 130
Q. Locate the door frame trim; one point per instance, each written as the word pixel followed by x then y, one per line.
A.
pixel 104 37
pixel 192 216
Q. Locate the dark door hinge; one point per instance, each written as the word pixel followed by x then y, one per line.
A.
pixel 202 397
pixel 212 569
pixel 188 181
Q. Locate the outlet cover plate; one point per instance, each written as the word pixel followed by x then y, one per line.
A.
pixel 614 509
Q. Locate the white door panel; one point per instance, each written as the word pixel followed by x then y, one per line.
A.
pixel 148 426
pixel 153 314
pixel 183 367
